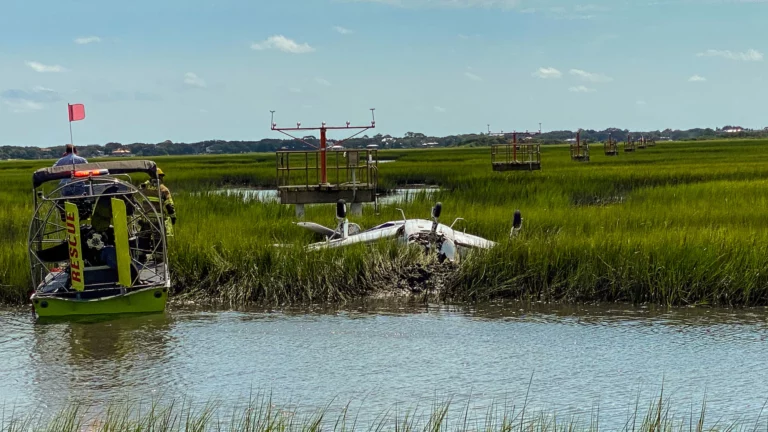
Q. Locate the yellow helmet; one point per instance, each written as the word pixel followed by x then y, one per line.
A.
pixel 160 172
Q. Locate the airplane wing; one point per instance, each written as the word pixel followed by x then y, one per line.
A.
pixel 317 228
pixel 469 240
pixel 369 236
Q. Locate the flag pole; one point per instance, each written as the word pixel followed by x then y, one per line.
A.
pixel 69 111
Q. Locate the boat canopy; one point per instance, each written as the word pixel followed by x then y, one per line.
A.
pixel 44 175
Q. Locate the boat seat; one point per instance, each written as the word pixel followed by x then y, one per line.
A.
pixel 98 276
pixel 57 253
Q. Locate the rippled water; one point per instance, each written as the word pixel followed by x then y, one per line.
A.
pixel 270 195
pixel 575 358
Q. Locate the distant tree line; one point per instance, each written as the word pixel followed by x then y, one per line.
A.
pixel 409 140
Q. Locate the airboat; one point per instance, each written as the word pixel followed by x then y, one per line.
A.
pixel 97 244
pixel 446 242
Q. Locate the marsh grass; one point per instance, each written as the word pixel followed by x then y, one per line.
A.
pixel 677 224
pixel 261 413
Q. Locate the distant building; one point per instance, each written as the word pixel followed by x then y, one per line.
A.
pixel 429 144
pixel 736 129
pixel 122 152
pixel 372 146
pixel 336 147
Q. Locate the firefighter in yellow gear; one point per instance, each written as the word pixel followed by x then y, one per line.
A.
pixel 157 193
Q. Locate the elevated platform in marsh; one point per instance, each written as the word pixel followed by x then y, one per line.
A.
pixel 580 151
pixel 516 166
pixel 516 157
pixel 317 177
pixel 326 193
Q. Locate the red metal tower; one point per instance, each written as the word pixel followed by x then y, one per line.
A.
pixel 323 139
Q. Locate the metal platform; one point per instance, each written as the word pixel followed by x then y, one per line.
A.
pixel 516 157
pixel 629 146
pixel 516 166
pixel 305 177
pixel 611 147
pixel 326 194
pixel 579 149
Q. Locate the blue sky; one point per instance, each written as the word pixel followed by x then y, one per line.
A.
pixel 190 70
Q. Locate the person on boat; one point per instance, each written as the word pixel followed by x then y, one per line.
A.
pixel 70 157
pixel 156 192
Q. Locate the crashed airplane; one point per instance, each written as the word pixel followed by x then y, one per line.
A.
pixel 448 243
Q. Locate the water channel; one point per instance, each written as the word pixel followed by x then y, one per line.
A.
pixel 395 196
pixel 377 356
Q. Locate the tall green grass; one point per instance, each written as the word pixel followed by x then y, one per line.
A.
pixel 678 224
pixel 262 414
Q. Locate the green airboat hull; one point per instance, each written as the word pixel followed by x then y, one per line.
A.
pixel 145 300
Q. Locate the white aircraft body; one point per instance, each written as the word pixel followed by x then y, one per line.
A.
pixel 449 243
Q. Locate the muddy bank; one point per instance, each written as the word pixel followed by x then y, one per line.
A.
pixel 431 279
pixel 424 279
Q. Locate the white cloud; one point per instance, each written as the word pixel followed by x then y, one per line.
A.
pixel 440 109
pixel 590 8
pixel 87 39
pixel 472 76
pixel 294 90
pixel 22 101
pixel 323 81
pixel 581 89
pixel 697 78
pixel 342 30
pixel 749 55
pixel 548 73
pixel 282 43
pixel 640 102
pixel 591 77
pixel 193 80
pixel 39 67
pixel 23 106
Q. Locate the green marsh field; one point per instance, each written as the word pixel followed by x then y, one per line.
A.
pixel 677 224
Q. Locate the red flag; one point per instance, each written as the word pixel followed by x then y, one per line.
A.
pixel 76 112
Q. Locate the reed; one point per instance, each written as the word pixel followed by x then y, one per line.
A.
pixel 678 224
pixel 261 413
